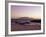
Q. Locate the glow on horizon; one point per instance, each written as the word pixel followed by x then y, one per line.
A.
pixel 25 11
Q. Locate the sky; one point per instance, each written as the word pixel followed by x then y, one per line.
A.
pixel 25 11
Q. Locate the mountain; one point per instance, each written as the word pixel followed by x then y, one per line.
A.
pixel 25 18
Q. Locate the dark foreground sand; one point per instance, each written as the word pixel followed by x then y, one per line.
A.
pixel 31 26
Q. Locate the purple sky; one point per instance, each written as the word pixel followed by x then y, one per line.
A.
pixel 25 11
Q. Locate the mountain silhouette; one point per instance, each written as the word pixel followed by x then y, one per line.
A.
pixel 25 18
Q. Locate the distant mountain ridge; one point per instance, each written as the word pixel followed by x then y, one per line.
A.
pixel 27 18
pixel 22 20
